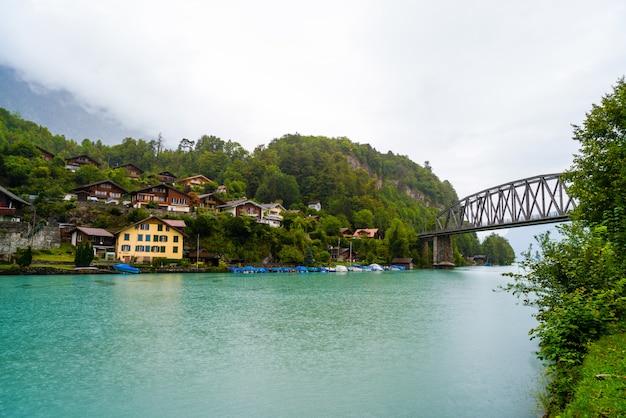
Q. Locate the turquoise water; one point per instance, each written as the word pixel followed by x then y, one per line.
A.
pixel 392 344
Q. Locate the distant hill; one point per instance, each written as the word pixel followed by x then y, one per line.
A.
pixel 59 111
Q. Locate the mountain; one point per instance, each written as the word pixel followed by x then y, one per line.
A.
pixel 59 111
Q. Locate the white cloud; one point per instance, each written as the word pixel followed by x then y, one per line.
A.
pixel 484 90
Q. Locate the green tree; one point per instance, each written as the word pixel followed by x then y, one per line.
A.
pixel 309 260
pixel 24 257
pixel 498 250
pixel 598 174
pixel 84 255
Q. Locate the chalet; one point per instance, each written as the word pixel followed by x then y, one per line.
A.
pixel 209 202
pixel 149 238
pixel 10 206
pixel 272 214
pixel 105 190
pixel 366 233
pixel 222 189
pixel 132 170
pixel 45 155
pixel 243 207
pixel 315 205
pixel 167 197
pixel 165 177
pixel 74 163
pixel 346 233
pixel 198 180
pixel 340 254
pixel 102 240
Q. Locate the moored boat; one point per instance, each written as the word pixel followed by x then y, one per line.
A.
pixel 125 268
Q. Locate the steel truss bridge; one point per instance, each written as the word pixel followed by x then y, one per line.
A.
pixel 531 201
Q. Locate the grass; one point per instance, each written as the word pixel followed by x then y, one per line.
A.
pixel 63 254
pixel 602 389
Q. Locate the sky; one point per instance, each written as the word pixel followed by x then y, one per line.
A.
pixel 486 91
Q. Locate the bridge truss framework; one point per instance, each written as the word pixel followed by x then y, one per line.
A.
pixel 531 201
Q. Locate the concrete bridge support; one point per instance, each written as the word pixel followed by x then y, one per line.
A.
pixel 442 251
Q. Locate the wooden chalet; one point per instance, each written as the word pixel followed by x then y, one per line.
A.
pixel 10 206
pixel 74 163
pixel 210 202
pixel 198 180
pixel 132 170
pixel 105 190
pixel 366 233
pixel 243 207
pixel 165 177
pixel 45 154
pixel 166 196
pixel 102 240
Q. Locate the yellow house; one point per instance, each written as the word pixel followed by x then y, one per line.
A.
pixel 150 238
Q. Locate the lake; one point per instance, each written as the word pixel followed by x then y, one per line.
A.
pixel 422 343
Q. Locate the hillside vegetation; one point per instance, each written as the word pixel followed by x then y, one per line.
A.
pixel 357 186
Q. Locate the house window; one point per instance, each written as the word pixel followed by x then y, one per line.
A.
pixel 140 237
pixel 138 248
pixel 160 227
pixel 126 237
pixel 147 237
pixel 167 228
pixel 163 238
pixel 145 227
pixel 155 238
pixel 175 238
pixel 175 250
pixel 125 247
pixel 155 249
pixel 79 238
pixel 162 248
pixel 147 248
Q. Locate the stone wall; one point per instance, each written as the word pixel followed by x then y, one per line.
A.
pixel 15 235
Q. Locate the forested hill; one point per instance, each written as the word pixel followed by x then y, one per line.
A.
pixel 355 182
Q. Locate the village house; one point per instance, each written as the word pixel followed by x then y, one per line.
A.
pixel 243 207
pixel 105 190
pixel 167 197
pixel 209 202
pixel 272 214
pixel 366 233
pixel 198 180
pixel 102 240
pixel 165 177
pixel 10 206
pixel 149 238
pixel 132 170
pixel 45 154
pixel 346 233
pixel 74 163
pixel 315 205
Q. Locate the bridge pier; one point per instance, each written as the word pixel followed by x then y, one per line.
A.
pixel 442 251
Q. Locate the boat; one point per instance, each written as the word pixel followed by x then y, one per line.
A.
pixel 125 268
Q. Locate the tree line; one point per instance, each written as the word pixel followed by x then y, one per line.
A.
pixel 357 186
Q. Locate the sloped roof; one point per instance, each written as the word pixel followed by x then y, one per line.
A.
pixel 95 232
pixel 85 186
pixel 176 223
pixel 12 196
pixel 164 221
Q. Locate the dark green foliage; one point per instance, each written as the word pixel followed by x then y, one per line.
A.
pixel 24 257
pixel 356 185
pixel 84 255
pixel 579 283
pixel 309 260
pixel 498 250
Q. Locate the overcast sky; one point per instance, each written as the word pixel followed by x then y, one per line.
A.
pixel 485 90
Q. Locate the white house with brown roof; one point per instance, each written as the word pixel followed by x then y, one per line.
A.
pixel 102 240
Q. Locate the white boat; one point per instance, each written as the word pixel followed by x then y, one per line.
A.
pixel 376 267
pixel 341 269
